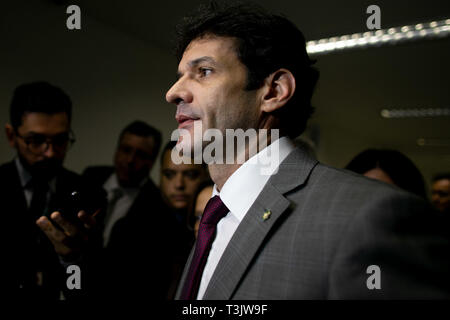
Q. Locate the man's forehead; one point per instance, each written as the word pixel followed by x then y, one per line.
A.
pixel 134 139
pixel 182 167
pixel 442 182
pixel 43 122
pixel 208 48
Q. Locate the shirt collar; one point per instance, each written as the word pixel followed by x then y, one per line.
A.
pixel 112 183
pixel 25 177
pixel 250 178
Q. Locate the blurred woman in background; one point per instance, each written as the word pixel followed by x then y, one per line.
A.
pixel 390 166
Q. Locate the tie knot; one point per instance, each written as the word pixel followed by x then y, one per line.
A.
pixel 214 211
pixel 116 193
pixel 38 185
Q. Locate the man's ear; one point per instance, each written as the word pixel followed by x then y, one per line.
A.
pixel 10 135
pixel 279 87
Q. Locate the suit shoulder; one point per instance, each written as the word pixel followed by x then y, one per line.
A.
pixel 374 198
pixel 150 194
pixel 7 166
pixel 10 178
pixel 97 174
pixel 335 195
pixel 68 176
pixel 150 186
pixel 342 180
pixel 98 170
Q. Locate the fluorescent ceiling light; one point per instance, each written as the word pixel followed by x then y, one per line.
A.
pixel 433 142
pixel 433 29
pixel 415 113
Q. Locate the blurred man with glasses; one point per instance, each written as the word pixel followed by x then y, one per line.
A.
pixel 39 240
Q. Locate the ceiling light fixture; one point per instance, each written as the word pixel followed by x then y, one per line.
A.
pixel 433 142
pixel 433 29
pixel 415 113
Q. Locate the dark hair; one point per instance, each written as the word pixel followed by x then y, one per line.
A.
pixel 168 147
pixel 399 167
pixel 264 43
pixel 191 219
pixel 207 183
pixel 38 97
pixel 142 129
pixel 441 176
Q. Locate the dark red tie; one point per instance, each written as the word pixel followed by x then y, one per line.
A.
pixel 214 211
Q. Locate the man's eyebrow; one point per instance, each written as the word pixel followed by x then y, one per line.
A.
pixel 34 133
pixel 195 62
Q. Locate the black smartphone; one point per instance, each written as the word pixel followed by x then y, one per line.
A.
pixel 88 200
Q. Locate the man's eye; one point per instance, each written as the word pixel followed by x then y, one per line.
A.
pixel 168 174
pixel 61 139
pixel 125 149
pixel 205 71
pixel 143 155
pixel 35 140
pixel 192 174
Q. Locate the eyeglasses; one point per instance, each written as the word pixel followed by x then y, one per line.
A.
pixel 39 143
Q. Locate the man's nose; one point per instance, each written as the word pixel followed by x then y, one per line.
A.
pixel 434 198
pixel 179 93
pixel 179 181
pixel 50 151
pixel 130 157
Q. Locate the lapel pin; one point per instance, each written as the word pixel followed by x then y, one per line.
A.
pixel 266 215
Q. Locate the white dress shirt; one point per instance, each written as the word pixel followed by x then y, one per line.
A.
pixel 121 206
pixel 239 193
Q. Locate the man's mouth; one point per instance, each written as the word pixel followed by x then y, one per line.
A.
pixel 179 197
pixel 184 121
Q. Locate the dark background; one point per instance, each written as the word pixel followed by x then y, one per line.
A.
pixel 118 67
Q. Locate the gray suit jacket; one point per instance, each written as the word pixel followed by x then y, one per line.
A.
pixel 326 228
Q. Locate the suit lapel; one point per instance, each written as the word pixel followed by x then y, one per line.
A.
pixel 14 193
pixel 184 274
pixel 244 244
pixel 253 229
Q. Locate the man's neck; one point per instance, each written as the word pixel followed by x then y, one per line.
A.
pixel 131 185
pixel 221 172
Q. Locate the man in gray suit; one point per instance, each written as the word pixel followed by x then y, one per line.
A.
pixel 305 230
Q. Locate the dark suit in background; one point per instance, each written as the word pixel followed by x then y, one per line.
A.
pixel 25 248
pixel 138 257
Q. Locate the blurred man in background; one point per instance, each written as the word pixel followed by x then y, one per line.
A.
pixel 135 219
pixel 130 190
pixel 440 192
pixel 35 184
